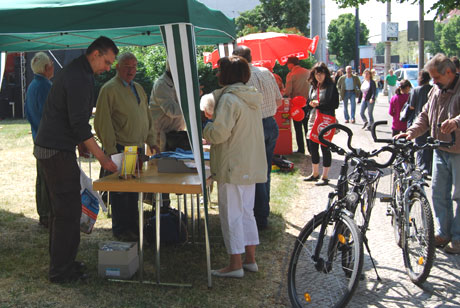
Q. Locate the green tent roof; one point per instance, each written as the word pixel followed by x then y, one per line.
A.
pixel 31 25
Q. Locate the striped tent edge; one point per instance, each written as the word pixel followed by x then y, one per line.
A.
pixel 226 49
pixel 179 40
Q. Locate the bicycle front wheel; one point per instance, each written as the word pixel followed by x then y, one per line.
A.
pixel 330 280
pixel 419 248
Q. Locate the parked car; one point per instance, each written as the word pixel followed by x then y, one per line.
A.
pixel 410 74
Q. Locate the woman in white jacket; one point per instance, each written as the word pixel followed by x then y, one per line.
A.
pixel 237 162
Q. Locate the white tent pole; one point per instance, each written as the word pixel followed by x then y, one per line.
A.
pixel 2 67
pixel 55 59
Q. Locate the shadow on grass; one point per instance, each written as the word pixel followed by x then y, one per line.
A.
pixel 24 262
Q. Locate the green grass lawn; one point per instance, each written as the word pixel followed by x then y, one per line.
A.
pixel 24 255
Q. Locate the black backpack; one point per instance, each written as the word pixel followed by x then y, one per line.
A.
pixel 169 228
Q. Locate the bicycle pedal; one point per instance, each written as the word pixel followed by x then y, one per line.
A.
pixel 386 199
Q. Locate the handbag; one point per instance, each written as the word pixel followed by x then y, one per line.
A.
pixel 321 121
pixel 406 112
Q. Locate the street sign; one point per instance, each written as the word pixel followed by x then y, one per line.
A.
pixel 428 30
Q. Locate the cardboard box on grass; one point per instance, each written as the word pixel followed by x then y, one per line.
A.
pixel 118 260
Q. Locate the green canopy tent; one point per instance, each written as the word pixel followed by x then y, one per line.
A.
pixel 33 25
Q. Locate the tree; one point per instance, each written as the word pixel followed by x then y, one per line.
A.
pixel 442 7
pixel 450 37
pixel 275 13
pixel 341 37
pixel 151 62
pixel 434 47
pixel 407 50
pixel 380 49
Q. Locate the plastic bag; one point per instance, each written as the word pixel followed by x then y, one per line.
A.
pixel 90 201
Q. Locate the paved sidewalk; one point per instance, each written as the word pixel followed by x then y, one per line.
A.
pixel 442 288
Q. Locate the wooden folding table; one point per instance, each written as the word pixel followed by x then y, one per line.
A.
pixel 151 181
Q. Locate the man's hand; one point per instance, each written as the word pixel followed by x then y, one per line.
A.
pixel 371 101
pixel 154 149
pixel 108 164
pixel 83 150
pixel 402 135
pixel 448 126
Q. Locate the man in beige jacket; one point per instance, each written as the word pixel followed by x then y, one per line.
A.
pixel 297 84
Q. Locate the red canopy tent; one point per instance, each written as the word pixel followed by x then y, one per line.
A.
pixel 268 47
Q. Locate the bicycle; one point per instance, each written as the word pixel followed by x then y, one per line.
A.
pixel 327 259
pixel 409 208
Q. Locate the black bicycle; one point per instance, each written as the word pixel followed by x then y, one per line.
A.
pixel 409 208
pixel 327 259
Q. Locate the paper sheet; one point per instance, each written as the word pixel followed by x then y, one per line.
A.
pixel 117 159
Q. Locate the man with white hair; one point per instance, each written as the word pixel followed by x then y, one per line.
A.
pixel 123 119
pixel 37 92
pixel 262 79
pixel 441 116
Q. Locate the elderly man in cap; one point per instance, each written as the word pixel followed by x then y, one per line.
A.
pixel 263 80
pixel 441 116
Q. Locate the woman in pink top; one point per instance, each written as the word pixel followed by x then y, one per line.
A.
pixel 396 104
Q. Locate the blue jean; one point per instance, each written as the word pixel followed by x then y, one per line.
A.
pixel 349 96
pixel 370 112
pixel 262 198
pixel 446 174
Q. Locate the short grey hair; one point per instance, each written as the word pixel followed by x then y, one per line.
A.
pixel 39 62
pixel 440 63
pixel 126 56
pixel 207 103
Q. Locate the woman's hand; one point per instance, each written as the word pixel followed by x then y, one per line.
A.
pixel 371 101
pixel 314 103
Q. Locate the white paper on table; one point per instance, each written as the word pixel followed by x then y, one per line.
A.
pixel 192 164
pixel 117 159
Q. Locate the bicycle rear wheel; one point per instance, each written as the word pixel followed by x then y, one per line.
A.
pixel 419 248
pixel 324 283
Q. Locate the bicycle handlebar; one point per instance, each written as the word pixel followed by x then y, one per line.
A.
pixel 358 153
pixel 332 146
pixel 374 135
pixel 431 142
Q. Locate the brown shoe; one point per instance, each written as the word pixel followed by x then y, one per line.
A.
pixel 453 247
pixel 440 242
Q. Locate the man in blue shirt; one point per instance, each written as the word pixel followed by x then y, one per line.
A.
pixel 37 92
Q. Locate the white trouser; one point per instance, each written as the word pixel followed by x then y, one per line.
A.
pixel 391 91
pixel 236 211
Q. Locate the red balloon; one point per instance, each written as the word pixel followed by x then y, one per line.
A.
pixel 299 101
pixel 297 114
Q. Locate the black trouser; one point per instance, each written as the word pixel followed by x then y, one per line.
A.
pixel 62 177
pixel 313 148
pixel 41 194
pixel 299 136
